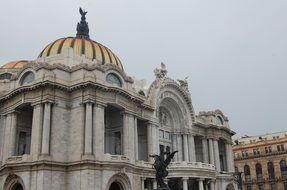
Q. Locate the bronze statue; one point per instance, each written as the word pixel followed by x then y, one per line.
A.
pixel 82 27
pixel 160 166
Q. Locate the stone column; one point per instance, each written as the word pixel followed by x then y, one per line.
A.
pixel 46 129
pixel 150 141
pixel 216 155
pixel 179 147
pixel 89 128
pixel 228 159
pixel 204 150
pixel 128 136
pixel 174 147
pixel 99 129
pixel 184 183
pixel 212 185
pixel 136 143
pixel 12 134
pixel 200 184
pixel 185 147
pixel 154 184
pixel 192 156
pixel 142 183
pixel 37 128
pixel 211 152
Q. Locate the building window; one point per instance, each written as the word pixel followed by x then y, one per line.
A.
pixel 245 153
pixel 5 76
pixel 268 149
pixel 271 172
pixel 280 147
pixel 219 120
pixel 283 168
pixel 247 173
pixel 285 185
pixel 259 175
pixel 27 78
pixel 114 79
pixel 256 151
pixel 260 187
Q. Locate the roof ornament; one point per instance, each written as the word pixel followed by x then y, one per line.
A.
pixel 82 27
pixel 160 73
pixel 183 83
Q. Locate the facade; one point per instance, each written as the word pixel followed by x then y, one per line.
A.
pixel 262 161
pixel 73 119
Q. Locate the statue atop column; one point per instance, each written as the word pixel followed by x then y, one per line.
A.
pixel 82 27
pixel 160 165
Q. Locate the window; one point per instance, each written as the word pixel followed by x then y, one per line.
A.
pixel 247 173
pixel 259 175
pixel 271 172
pixel 5 76
pixel 285 185
pixel 113 79
pixel 280 147
pixel 256 151
pixel 167 135
pixel 283 169
pixel 219 120
pixel 161 134
pixel 273 186
pixel 245 153
pixel 27 78
pixel 260 187
pixel 268 149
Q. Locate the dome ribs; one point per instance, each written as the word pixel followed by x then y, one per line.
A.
pixel 61 45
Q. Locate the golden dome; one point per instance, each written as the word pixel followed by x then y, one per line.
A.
pixel 82 46
pixel 14 64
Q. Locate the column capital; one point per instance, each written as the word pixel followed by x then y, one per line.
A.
pixel 200 179
pixel 88 101
pixel 185 178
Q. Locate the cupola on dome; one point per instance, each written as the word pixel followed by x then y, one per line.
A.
pixel 82 45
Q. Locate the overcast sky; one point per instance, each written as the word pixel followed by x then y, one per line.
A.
pixel 234 51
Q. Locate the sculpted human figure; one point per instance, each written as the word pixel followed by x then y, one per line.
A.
pixel 160 165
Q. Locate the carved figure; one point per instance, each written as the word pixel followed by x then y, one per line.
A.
pixel 160 73
pixel 160 165
pixel 82 27
pixel 183 83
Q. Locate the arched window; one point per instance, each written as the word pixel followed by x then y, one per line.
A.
pixel 259 172
pixel 283 168
pixel 114 79
pixel 271 172
pixel 219 120
pixel 247 173
pixel 27 78
pixel 5 76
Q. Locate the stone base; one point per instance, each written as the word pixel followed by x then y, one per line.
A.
pixel 163 188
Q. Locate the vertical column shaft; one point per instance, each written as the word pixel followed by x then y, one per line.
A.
pixel 192 156
pixel 204 150
pixel 99 132
pixel 37 127
pixel 179 146
pixel 184 183
pixel 212 185
pixel 125 134
pixel 216 155
pixel 150 141
pixel 46 129
pixel 174 147
pixel 136 143
pixel 13 133
pixel 200 184
pixel 154 184
pixel 211 152
pixel 89 128
pixel 142 183
pixel 185 145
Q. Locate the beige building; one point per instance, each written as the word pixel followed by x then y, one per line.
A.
pixel 73 119
pixel 262 161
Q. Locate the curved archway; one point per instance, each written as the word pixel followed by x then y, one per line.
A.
pixel 230 186
pixel 13 182
pixel 119 181
pixel 116 186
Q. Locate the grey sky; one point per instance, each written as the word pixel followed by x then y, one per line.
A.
pixel 234 52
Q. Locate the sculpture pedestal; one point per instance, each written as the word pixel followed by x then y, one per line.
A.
pixel 163 188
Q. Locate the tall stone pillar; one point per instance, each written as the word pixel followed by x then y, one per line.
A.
pixel 212 185
pixel 211 152
pixel 185 148
pixel 216 155
pixel 229 157
pixel 204 150
pixel 89 129
pixel 200 184
pixel 128 136
pixel 142 183
pixel 37 127
pixel 99 129
pixel 12 125
pixel 154 184
pixel 179 147
pixel 136 143
pixel 174 146
pixel 46 129
pixel 150 141
pixel 192 156
pixel 184 183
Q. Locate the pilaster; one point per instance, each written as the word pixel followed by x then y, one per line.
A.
pixel 192 156
pixel 46 129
